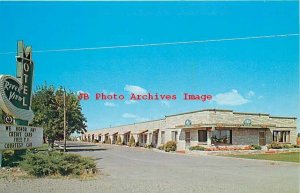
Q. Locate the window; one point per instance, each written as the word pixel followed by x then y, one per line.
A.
pixel 174 135
pixel 281 136
pixel 222 136
pixel 202 136
pixel 162 137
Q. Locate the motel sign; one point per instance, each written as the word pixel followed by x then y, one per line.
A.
pixel 15 102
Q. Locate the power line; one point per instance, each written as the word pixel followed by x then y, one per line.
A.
pixel 159 44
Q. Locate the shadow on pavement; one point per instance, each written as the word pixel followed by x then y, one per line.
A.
pixel 86 149
pixel 81 145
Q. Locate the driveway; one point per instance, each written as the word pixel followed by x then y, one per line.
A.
pixel 140 170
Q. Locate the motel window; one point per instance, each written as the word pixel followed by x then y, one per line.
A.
pixel 174 135
pixel 202 136
pixel 281 136
pixel 162 137
pixel 222 136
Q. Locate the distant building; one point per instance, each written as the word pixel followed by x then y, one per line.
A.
pixel 206 127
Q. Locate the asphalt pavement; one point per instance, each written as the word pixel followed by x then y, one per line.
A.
pixel 139 170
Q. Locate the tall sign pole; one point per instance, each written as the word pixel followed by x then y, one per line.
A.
pixel 65 122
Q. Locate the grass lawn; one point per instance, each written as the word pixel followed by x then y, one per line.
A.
pixel 288 157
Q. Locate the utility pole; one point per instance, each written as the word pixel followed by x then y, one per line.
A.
pixel 65 129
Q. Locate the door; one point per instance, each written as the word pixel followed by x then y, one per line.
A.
pixel 262 138
pixel 187 139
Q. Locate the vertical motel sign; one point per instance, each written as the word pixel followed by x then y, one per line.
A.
pixel 15 102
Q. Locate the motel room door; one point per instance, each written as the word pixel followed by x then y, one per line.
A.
pixel 187 139
pixel 262 137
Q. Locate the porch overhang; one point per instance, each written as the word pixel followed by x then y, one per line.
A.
pixel 142 131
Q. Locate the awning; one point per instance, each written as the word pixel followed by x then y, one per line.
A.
pixel 125 132
pixel 152 130
pixel 143 131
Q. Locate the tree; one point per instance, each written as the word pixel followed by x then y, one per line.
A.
pixel 119 140
pixel 131 141
pixel 48 108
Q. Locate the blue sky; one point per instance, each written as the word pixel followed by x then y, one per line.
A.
pixel 260 75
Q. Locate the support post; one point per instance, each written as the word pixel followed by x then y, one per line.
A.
pixel 0 159
pixel 65 129
pixel 209 135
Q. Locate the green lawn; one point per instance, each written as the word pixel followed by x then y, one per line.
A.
pixel 288 157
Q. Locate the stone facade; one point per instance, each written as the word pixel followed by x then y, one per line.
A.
pixel 220 127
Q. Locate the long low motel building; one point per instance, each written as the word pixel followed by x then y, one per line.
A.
pixel 207 127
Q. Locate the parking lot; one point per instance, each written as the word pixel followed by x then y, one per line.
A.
pixel 124 169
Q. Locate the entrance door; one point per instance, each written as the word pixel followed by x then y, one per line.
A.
pixel 187 139
pixel 262 138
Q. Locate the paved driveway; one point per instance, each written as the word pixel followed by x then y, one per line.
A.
pixel 141 170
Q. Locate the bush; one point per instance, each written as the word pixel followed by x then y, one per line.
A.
pixel 53 163
pixel 197 148
pixel 162 147
pixel 287 146
pixel 256 147
pixel 131 141
pixel 275 145
pixel 11 158
pixel 296 146
pixel 149 146
pixel 119 140
pixel 170 146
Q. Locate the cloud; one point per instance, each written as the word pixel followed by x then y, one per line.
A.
pixel 135 117
pixel 230 98
pixel 110 104
pixel 166 103
pixel 130 102
pixel 251 93
pixel 128 115
pixel 135 89
pixel 260 97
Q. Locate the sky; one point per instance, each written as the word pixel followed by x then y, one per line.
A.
pixel 255 75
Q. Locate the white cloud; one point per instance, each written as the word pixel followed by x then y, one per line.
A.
pixel 135 89
pixel 260 97
pixel 251 93
pixel 110 104
pixel 130 102
pixel 166 103
pixel 230 98
pixel 128 115
pixel 135 117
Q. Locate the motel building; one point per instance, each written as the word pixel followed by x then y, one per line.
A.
pixel 207 127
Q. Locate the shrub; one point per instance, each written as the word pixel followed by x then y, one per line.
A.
pixel 149 146
pixel 257 147
pixel 170 146
pixel 119 140
pixel 162 147
pixel 275 145
pixel 53 163
pixel 197 148
pixel 296 146
pixel 131 141
pixel 286 146
pixel 11 158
